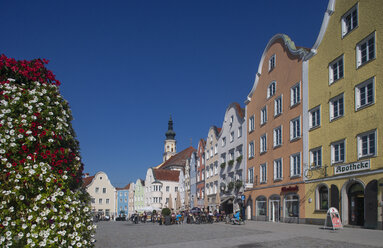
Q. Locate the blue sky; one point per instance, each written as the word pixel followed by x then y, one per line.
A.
pixel 125 66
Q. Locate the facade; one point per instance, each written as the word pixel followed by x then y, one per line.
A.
pixel 274 110
pixel 153 192
pixel 200 175
pixel 102 193
pixel 345 169
pixel 231 147
pixel 131 199
pixel 122 195
pixel 139 196
pixel 192 197
pixel 211 169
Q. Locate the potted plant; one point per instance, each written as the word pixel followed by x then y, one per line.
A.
pixel 230 186
pixel 223 165
pixel 239 159
pixel 166 215
pixel 238 184
pixel 231 162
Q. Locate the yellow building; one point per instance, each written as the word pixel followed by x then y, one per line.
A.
pixel 345 115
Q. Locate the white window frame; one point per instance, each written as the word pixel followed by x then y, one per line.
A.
pixel 295 128
pixel 358 93
pixel 240 132
pixel 271 89
pixel 272 62
pixel 278 105
pixel 334 102
pixel 350 13
pixel 264 115
pixel 365 41
pixel 263 143
pixel 263 173
pixel 251 123
pixel 295 94
pixel 316 157
pixel 295 170
pixel 276 164
pixel 335 148
pixel 250 175
pixel 336 70
pixel 360 144
pixel 251 149
pixel 315 117
pixel 277 136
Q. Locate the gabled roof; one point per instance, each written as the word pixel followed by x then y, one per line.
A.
pixel 178 160
pixel 166 175
pixel 86 181
pixel 127 187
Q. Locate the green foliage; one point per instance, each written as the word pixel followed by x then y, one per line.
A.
pixel 223 165
pixel 165 212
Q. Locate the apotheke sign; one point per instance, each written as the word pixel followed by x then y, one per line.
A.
pixel 347 168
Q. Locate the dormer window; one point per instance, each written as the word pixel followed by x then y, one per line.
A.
pixel 272 62
pixel 271 89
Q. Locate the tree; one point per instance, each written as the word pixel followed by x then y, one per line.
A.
pixel 42 202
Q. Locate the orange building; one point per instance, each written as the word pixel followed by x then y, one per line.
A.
pixel 274 111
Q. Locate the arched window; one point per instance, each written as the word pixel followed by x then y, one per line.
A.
pixel 322 197
pixel 271 89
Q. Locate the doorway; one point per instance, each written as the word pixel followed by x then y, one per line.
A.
pixel 274 210
pixel 356 204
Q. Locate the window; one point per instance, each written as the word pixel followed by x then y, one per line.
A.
pixel 251 149
pixel 176 189
pixel 263 144
pixel 365 50
pixel 272 62
pixel 295 165
pixel 295 97
pixel 278 169
pixel 336 107
pixel 251 123
pixel 278 136
pixel 263 173
pixel 364 94
pixel 261 206
pixel 316 157
pixel 167 188
pixel 203 175
pixel 367 144
pixel 263 115
pixel 232 136
pixel 104 190
pixel 314 117
pixel 250 175
pixel 231 120
pixel 350 20
pixel 211 150
pixel 223 141
pixel 337 152
pixel 271 89
pixel 216 149
pixel 216 168
pixel 295 128
pixel 291 205
pixel 278 105
pixel 336 70
pixel 97 189
pixel 107 201
pixel 239 132
pixel 100 201
pixel 322 197
pixel 93 200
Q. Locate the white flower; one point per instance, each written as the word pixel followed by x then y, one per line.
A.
pixel 5 223
pixel 24 226
pixel 11 209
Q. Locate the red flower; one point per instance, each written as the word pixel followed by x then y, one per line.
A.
pixel 21 130
pixel 43 133
pixel 24 147
pixel 60 171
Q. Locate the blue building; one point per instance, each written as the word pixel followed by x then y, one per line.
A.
pixel 123 200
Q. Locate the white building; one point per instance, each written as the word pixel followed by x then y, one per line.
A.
pixel 102 193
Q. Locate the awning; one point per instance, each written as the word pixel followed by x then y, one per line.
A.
pixel 225 199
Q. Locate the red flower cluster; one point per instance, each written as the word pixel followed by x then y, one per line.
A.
pixel 24 71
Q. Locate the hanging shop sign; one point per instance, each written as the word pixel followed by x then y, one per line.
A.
pixel 352 167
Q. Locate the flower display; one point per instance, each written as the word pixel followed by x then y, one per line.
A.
pixel 41 201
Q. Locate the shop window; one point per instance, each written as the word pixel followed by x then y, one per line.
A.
pixel 322 197
pixel 291 206
pixel 261 206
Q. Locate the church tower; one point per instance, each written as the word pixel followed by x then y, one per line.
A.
pixel 170 142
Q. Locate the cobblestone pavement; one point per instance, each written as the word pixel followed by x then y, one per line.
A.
pixel 253 234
